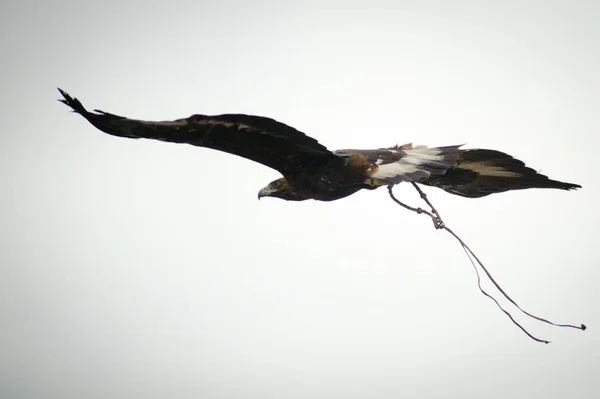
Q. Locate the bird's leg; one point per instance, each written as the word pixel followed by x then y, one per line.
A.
pixel 437 220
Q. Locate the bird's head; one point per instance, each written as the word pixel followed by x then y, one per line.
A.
pixel 279 188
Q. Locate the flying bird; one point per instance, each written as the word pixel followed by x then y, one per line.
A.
pixel 311 171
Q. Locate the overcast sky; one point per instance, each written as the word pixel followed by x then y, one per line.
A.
pixel 139 269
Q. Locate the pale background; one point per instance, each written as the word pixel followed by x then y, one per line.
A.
pixel 138 269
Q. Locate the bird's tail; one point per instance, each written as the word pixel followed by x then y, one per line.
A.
pixel 480 172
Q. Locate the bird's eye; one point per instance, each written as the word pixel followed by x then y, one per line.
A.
pixel 275 184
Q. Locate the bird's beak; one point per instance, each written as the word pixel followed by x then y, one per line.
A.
pixel 263 193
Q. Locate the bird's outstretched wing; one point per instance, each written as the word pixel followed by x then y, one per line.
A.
pixel 257 138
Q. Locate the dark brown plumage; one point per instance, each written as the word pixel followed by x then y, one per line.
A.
pixel 311 171
pixel 478 173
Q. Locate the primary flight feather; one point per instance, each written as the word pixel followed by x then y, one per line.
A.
pixel 311 171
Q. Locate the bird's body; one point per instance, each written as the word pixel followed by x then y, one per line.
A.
pixel 311 171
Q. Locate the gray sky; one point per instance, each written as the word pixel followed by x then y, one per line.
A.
pixel 139 269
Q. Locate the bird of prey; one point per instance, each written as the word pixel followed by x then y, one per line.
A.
pixel 311 171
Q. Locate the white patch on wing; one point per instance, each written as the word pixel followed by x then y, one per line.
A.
pixel 421 156
pixel 240 126
pixel 395 169
pixel 415 164
pixel 488 170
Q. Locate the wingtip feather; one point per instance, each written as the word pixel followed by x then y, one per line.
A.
pixel 72 102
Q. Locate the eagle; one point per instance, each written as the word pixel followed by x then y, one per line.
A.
pixel 311 171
